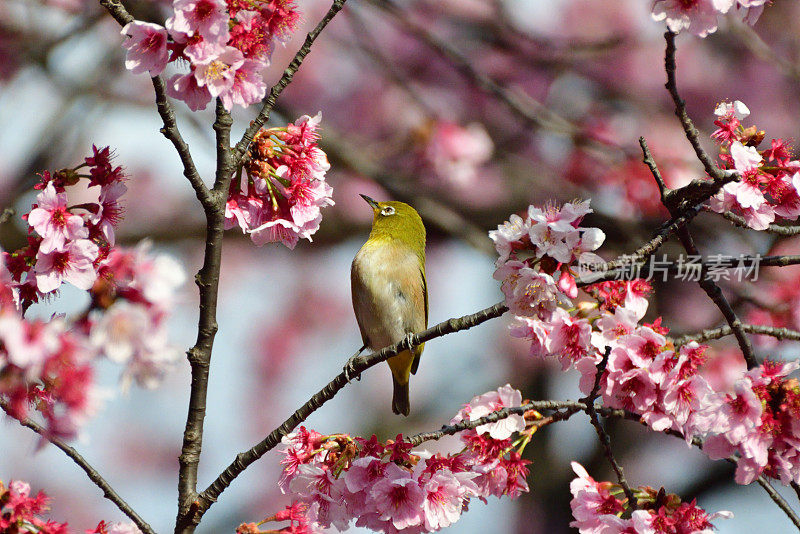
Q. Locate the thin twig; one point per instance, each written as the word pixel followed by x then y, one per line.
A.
pixel 651 164
pixel 605 440
pixel 680 111
pixel 780 501
pixel 649 248
pixel 740 221
pixel 360 364
pixel 564 410
pixel 108 492
pixel 725 330
pixel 676 200
pixel 524 106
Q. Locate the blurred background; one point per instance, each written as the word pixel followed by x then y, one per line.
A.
pixel 470 110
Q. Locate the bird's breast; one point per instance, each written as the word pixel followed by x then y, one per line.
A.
pixel 388 294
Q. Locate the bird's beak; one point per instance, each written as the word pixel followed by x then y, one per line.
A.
pixel 371 202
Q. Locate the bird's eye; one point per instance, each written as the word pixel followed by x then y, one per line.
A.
pixel 388 210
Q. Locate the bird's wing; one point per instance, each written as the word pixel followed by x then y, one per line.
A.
pixel 418 350
pixel 358 304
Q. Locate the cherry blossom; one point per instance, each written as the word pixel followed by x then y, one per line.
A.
pixel 284 190
pixel 147 47
pixel 73 264
pixel 226 44
pixel 482 405
pixel 600 507
pixel 53 222
pixel 209 18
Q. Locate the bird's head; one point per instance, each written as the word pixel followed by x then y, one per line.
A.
pixel 396 220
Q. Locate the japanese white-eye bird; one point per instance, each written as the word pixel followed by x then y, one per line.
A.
pixel 390 296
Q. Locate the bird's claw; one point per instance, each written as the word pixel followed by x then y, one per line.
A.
pixel 409 340
pixel 349 369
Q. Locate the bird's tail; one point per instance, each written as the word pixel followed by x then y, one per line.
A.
pixel 400 402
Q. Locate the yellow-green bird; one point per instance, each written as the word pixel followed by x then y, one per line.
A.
pixel 390 296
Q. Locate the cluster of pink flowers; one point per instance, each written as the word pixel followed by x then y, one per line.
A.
pixel 46 366
pixel 19 511
pixel 770 179
pixel 647 376
pixel 454 154
pixel 131 302
pixel 69 241
pixel 280 196
pixel 644 373
pixel 386 488
pixel 758 421
pixel 701 17
pixel 597 507
pixel 533 249
pixel 226 44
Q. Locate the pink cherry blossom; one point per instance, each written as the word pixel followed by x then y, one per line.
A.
pixel 27 344
pixel 110 210
pixel 248 85
pixel 528 292
pixel 698 16
pixel 399 498
pixel 185 87
pixel 218 74
pixel 73 264
pixel 736 110
pixel 209 18
pixel 147 47
pixel 569 339
pixel 443 500
pixel 54 222
pixel 508 233
pixel 455 153
pixel 745 158
pixel 482 405
pixel 590 501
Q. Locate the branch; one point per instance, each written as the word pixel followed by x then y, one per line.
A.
pixel 199 355
pixel 782 504
pixel 564 410
pixel 605 440
pixel 360 364
pixel 675 200
pixel 680 111
pixel 170 128
pixel 740 222
pixel 91 472
pixel 725 330
pixel 286 79
pixel 648 249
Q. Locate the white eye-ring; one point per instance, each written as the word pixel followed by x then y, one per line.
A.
pixel 388 210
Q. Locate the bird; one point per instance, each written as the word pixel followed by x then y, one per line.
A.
pixel 390 294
